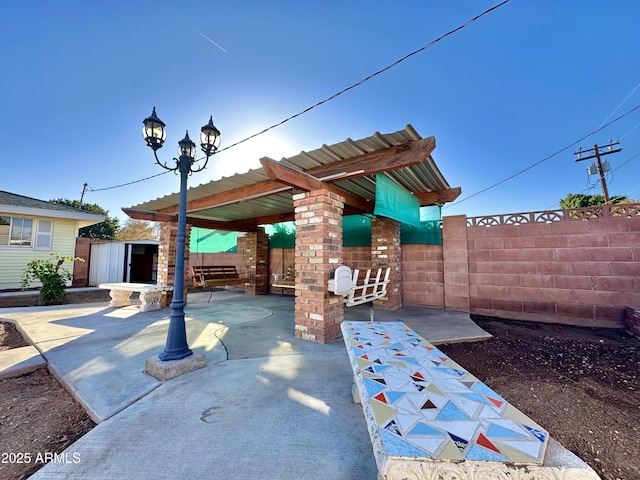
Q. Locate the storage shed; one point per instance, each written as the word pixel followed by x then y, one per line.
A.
pixel 127 261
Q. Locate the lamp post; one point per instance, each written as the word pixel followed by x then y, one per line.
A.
pixel 154 134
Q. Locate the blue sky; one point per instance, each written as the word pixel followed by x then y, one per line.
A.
pixel 501 95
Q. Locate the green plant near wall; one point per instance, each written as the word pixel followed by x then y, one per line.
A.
pixel 52 277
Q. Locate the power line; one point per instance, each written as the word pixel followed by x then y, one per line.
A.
pixel 619 105
pixel 335 95
pixel 602 127
pixel 366 79
pixel 125 184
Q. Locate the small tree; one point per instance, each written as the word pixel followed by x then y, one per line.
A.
pixel 52 277
pixel 137 230
pixel 580 200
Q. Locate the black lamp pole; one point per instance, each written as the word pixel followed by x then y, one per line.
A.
pixel 154 134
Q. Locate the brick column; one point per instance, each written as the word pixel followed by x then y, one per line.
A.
pixel 318 313
pixel 455 256
pixel 167 260
pixel 386 251
pixel 257 258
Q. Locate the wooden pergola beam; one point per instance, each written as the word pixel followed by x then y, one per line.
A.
pixel 439 196
pixel 236 226
pixel 392 158
pixel 229 197
pixel 303 181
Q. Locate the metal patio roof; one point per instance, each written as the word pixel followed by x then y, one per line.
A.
pixel 276 199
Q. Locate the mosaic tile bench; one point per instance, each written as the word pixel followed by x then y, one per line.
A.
pixel 429 418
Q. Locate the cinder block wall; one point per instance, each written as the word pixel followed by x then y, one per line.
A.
pixel 422 275
pixel 574 272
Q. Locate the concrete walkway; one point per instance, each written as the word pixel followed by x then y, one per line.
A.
pixel 267 405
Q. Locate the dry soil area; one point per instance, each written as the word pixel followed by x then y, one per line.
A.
pixel 581 384
pixel 38 417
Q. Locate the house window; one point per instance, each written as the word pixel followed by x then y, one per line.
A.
pixel 44 234
pixel 16 231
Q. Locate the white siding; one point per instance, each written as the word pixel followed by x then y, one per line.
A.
pixel 13 260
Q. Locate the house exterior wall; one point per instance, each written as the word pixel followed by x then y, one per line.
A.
pixel 13 260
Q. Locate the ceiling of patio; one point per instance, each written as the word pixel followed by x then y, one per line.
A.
pixel 243 201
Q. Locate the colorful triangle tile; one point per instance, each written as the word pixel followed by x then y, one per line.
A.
pixel 382 413
pixel 428 405
pixel 423 429
pixel 451 412
pixel 478 453
pixel 396 446
pixel 532 448
pixel 486 443
pixel 381 397
pixel 393 397
pixel 373 388
pixel 460 443
pixel 498 431
pixel 393 428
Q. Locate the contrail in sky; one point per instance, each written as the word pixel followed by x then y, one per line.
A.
pixel 210 40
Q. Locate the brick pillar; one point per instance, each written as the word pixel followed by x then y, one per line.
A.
pixel 167 260
pixel 318 313
pixel 257 257
pixel 455 256
pixel 386 251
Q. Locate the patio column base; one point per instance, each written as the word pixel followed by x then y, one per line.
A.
pixel 166 370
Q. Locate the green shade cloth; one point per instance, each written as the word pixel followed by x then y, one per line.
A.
pixel 281 235
pixel 204 240
pixel 433 212
pixel 428 233
pixel 395 202
pixel 356 231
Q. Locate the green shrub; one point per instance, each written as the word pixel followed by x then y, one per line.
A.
pixel 52 277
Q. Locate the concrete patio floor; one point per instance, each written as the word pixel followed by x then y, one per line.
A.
pixel 267 404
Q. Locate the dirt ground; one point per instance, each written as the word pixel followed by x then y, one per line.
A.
pixel 37 416
pixel 580 384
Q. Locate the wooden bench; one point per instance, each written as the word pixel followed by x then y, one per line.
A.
pixel 427 415
pixel 285 280
pixel 216 275
pixel 150 295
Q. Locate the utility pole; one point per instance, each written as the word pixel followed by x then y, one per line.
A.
pixel 597 152
pixel 84 189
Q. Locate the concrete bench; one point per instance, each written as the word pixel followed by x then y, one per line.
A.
pixel 428 417
pixel 216 275
pixel 150 295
